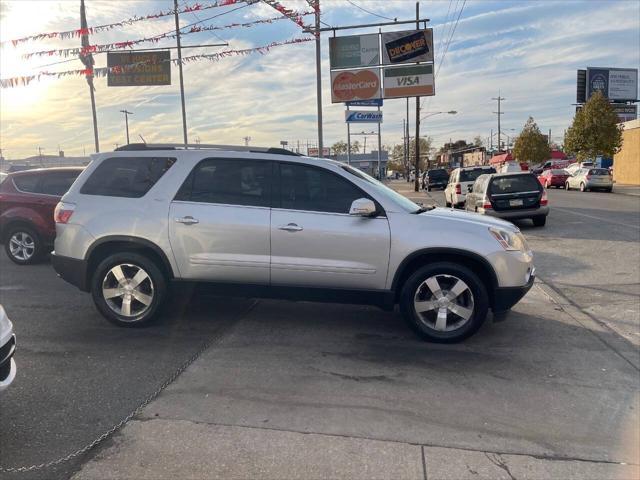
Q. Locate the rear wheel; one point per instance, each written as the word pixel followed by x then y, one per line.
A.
pixel 539 221
pixel 566 186
pixel 128 289
pixel 444 302
pixel 23 245
pixel 583 188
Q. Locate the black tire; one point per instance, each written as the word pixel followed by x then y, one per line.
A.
pixel 583 188
pixel 566 186
pixel 158 289
pixel 23 231
pixel 479 296
pixel 428 189
pixel 539 221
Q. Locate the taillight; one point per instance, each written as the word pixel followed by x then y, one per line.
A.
pixel 486 204
pixel 458 189
pixel 63 212
pixel 543 200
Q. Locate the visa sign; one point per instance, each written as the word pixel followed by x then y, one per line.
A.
pixel 362 116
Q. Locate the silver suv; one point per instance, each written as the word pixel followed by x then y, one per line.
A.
pixel 268 222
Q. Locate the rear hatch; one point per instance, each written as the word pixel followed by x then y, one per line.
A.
pixel 515 192
pixel 468 177
pixel 438 177
pixel 599 176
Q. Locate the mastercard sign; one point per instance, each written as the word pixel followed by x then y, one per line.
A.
pixel 349 85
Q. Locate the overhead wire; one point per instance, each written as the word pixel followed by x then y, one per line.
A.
pixel 370 12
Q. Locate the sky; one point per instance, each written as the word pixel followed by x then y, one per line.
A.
pixel 525 51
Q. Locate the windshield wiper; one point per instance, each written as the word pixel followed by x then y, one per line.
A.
pixel 423 209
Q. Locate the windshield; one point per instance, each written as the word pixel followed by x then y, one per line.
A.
pixel 384 191
pixel 558 172
pixel 438 174
pixel 471 175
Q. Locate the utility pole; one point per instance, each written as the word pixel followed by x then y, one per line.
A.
pixel 318 76
pixel 246 140
pixel 126 121
pixel 549 137
pixel 499 113
pixel 87 60
pixel 40 155
pixel 184 111
pixel 407 168
pixel 348 140
pixel 491 137
pixel 416 184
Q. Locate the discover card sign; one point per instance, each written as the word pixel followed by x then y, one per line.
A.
pixel 409 46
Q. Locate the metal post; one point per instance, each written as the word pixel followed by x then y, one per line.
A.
pixel 184 111
pixel 416 185
pixel 379 151
pixel 318 77
pixel 126 122
pixel 348 140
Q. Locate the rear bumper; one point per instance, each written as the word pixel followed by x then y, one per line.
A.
pixel 71 270
pixel 516 214
pixel 506 297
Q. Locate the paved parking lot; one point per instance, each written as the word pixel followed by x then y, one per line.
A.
pixel 354 381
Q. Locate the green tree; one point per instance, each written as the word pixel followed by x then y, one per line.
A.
pixel 355 147
pixel 477 141
pixel 594 131
pixel 339 148
pixel 396 159
pixel 425 149
pixel 531 146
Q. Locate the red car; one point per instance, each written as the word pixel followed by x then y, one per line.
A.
pixel 27 202
pixel 553 178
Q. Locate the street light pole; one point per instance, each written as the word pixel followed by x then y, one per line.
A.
pixel 126 122
pixel 318 77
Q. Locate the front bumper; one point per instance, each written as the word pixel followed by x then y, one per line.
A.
pixel 517 214
pixel 7 363
pixel 506 297
pixel 71 270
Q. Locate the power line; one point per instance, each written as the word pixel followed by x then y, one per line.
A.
pixel 370 12
pixel 450 38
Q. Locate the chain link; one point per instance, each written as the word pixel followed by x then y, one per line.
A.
pixel 81 451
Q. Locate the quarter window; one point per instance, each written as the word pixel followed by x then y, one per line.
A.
pixel 126 176
pixel 230 182
pixel 314 189
pixel 26 183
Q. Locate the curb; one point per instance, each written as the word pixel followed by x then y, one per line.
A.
pixel 607 335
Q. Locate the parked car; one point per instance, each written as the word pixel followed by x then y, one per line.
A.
pixel 460 182
pixel 435 178
pixel 574 167
pixel 590 179
pixel 511 196
pixel 7 350
pixel 27 201
pixel 268 222
pixel 553 178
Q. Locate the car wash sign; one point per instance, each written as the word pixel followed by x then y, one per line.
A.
pixel 363 116
pixel 409 81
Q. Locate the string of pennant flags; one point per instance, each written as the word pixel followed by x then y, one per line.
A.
pixel 106 47
pixel 103 71
pixel 79 32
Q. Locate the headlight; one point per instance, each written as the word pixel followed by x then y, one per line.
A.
pixel 509 240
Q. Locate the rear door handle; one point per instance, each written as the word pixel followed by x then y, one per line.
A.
pixel 291 227
pixel 188 220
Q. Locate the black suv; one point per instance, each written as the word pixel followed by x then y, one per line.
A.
pixel 435 178
pixel 511 196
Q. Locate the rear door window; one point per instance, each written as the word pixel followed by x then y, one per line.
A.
pixel 57 183
pixel 26 183
pixel 514 184
pixel 229 182
pixel 130 177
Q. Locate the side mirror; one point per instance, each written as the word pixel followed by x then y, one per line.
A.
pixel 363 207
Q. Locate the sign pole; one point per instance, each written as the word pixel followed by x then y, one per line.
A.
pixel 348 140
pixel 318 77
pixel 184 111
pixel 416 184
pixel 379 151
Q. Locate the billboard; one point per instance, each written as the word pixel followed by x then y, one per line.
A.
pixel 409 46
pixel 409 81
pixel 617 84
pixel 349 85
pixel 154 68
pixel 363 116
pixel 354 51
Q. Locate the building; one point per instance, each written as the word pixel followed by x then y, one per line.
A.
pixel 477 156
pixel 367 162
pixel 626 163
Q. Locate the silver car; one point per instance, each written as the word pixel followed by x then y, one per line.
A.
pixel 268 222
pixel 590 179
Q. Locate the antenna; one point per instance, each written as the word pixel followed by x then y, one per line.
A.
pixel 143 140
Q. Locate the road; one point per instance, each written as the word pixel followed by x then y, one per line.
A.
pixel 589 250
pixel 538 384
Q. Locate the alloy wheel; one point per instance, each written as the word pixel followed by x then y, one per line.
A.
pixel 128 290
pixel 444 303
pixel 22 246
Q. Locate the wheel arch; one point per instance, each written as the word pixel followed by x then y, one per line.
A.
pixel 105 246
pixel 10 224
pixel 479 265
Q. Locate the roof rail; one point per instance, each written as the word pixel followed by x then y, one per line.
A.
pixel 203 146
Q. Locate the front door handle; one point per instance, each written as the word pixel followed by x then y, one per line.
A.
pixel 291 227
pixel 188 220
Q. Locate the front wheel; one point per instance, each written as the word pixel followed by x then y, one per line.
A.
pixel 444 302
pixel 566 186
pixel 583 188
pixel 23 245
pixel 128 289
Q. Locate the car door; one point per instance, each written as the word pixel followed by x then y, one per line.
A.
pixel 574 180
pixel 220 219
pixel 314 240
